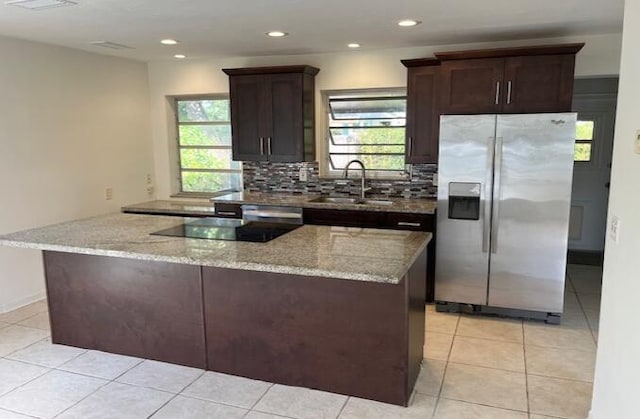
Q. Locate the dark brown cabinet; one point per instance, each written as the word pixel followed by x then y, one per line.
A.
pixel 272 113
pixel 516 80
pixel 423 79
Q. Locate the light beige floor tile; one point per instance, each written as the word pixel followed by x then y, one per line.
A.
pixel 532 416
pixel 571 301
pixel 5 414
pixel 161 376
pixel 46 354
pixel 227 389
pixel 3 325
pixel 14 374
pixel 558 397
pixel 430 308
pixel 39 321
pixel 453 409
pixel 486 386
pixel 15 337
pixel 50 394
pixel 259 415
pixel 507 330
pixel 571 319
pixel 301 403
pixel 116 400
pixel 23 313
pixel 420 407
pixel 488 353
pixel 441 322
pixel 430 378
pixel 587 285
pixel 101 364
pixel 188 408
pixel 560 363
pixel 437 346
pixel 551 336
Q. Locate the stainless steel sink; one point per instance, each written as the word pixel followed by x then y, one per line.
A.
pixel 356 201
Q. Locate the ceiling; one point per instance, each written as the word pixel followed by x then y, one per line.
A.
pixel 217 28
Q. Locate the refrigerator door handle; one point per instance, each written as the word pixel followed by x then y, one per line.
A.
pixel 497 184
pixel 488 186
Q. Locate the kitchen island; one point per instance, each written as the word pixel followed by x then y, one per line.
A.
pixel 332 308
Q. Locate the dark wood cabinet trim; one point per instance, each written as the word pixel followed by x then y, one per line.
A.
pixel 420 62
pixel 511 52
pixel 306 69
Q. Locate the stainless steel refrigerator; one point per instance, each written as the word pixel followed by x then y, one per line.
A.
pixel 503 212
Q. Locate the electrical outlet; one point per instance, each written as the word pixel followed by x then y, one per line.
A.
pixel 636 146
pixel 435 179
pixel 149 180
pixel 304 175
pixel 108 194
pixel 614 229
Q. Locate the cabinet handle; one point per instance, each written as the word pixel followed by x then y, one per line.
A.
pixel 269 146
pixel 497 93
pixel 261 146
pixel 408 224
pixel 226 213
pixel 509 92
pixel 410 151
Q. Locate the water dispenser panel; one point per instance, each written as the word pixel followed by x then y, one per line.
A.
pixel 464 201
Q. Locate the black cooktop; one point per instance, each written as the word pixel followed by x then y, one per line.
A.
pixel 229 229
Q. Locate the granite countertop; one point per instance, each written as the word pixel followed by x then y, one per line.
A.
pixel 414 206
pixel 336 252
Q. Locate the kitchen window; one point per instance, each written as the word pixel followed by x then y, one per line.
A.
pixel 204 145
pixel 367 125
pixel 585 130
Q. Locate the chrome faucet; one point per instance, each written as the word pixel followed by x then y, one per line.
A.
pixel 345 174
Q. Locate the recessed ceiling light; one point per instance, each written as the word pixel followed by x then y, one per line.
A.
pixel 180 56
pixel 39 4
pixel 353 45
pixel 169 42
pixel 408 22
pixel 277 34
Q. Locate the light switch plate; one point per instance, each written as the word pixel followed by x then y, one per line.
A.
pixel 614 229
pixel 304 175
pixel 636 146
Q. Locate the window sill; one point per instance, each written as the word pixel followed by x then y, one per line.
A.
pixel 202 195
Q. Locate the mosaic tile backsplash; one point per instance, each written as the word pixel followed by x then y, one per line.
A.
pixel 284 177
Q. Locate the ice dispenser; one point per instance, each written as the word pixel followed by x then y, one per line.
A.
pixel 464 201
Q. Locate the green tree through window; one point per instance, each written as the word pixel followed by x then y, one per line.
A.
pixel 204 142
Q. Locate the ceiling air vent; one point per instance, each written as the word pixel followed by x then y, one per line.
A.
pixel 110 45
pixel 39 4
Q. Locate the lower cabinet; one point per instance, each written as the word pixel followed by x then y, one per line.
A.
pixel 379 219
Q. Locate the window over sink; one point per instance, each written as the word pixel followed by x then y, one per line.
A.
pixel 204 145
pixel 368 125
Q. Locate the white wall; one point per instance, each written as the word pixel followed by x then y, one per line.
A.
pixel 71 124
pixel 347 70
pixel 616 387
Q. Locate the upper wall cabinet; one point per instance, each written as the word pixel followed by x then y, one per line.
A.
pixel 514 80
pixel 273 113
pixel 423 117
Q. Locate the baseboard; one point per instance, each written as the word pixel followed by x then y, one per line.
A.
pixel 585 257
pixel 12 305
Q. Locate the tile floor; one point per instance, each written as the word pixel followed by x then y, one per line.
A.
pixel 474 367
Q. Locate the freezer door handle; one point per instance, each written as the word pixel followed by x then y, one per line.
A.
pixel 486 219
pixel 497 181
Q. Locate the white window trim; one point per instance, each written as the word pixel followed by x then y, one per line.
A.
pixel 323 162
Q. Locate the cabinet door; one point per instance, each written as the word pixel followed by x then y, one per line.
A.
pixel 538 84
pixel 472 86
pixel 423 116
pixel 285 121
pixel 247 117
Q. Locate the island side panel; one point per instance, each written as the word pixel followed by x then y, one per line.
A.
pixel 139 308
pixel 341 336
pixel 416 287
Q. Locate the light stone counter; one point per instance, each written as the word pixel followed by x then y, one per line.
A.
pixel 337 252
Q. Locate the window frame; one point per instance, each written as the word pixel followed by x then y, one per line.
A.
pixel 325 162
pixel 174 101
pixel 594 117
